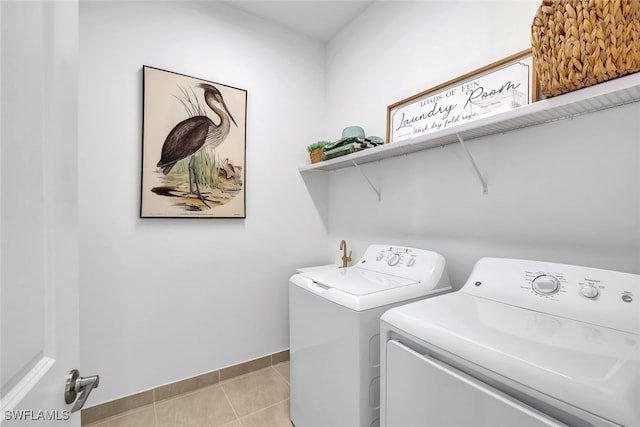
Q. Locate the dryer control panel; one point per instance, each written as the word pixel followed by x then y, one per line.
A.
pixel 591 295
pixel 411 263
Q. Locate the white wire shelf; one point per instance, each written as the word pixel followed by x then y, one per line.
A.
pixel 613 93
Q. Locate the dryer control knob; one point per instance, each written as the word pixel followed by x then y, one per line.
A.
pixel 589 291
pixel 546 284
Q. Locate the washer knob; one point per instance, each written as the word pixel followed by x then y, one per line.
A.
pixel 546 284
pixel 395 259
pixel 589 291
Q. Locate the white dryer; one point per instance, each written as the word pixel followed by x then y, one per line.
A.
pixel 334 321
pixel 522 343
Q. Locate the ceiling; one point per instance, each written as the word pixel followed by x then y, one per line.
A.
pixel 320 20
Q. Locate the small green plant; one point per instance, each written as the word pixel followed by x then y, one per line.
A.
pixel 316 145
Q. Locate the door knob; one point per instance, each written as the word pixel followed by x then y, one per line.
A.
pixel 79 385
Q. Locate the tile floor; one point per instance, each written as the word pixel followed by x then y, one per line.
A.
pixel 259 398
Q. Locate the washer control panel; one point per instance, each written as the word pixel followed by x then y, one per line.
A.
pixel 602 297
pixel 401 261
pixel 396 256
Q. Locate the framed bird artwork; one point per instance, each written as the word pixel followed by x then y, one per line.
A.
pixel 193 147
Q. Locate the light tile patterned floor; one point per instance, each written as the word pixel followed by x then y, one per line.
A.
pixel 257 399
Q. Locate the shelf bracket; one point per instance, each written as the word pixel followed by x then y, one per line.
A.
pixel 485 189
pixel 367 178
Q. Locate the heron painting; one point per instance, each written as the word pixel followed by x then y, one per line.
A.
pixel 193 155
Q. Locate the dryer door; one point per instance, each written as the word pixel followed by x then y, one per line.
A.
pixel 422 391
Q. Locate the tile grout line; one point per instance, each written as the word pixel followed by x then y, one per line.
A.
pixel 279 375
pixel 155 409
pixel 231 404
pixel 263 409
pixel 270 406
pixel 288 381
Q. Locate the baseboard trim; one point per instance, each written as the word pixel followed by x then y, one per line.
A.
pixel 167 391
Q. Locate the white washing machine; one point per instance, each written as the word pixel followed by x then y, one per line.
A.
pixel 523 343
pixel 334 321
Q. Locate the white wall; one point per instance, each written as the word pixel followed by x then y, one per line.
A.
pixel 166 299
pixel 565 192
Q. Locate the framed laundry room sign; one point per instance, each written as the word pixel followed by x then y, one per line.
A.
pixel 497 87
pixel 193 147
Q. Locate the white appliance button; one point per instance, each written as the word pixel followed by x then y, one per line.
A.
pixel 546 284
pixel 411 262
pixel 589 291
pixel 395 259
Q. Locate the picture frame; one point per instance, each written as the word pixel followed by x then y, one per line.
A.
pixel 499 86
pixel 193 147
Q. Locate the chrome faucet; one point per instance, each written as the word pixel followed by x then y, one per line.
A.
pixel 345 259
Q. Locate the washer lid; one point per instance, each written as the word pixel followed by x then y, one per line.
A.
pixel 590 367
pixel 359 289
pixel 357 281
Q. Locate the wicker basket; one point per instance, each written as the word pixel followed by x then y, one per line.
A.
pixel 581 43
pixel 316 155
